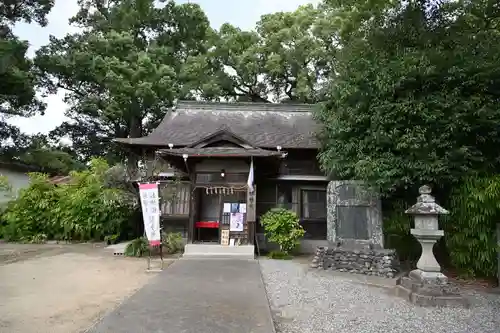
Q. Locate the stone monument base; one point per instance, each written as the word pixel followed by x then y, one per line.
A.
pixel 429 289
pixel 374 262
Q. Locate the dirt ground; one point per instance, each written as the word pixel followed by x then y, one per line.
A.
pixel 63 288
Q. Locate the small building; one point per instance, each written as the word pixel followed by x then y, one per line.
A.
pixel 17 175
pixel 217 147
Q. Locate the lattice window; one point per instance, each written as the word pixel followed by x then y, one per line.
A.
pixel 175 198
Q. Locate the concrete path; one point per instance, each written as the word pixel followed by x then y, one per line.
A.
pixel 192 296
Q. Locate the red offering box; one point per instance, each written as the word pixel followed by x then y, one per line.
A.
pixel 207 224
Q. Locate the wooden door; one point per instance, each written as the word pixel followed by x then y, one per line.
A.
pixel 238 197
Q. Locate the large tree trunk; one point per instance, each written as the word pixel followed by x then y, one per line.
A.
pixel 135 131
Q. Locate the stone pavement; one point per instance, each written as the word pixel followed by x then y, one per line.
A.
pixel 192 296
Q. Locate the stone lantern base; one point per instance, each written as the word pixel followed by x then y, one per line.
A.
pixel 427 286
pixel 429 289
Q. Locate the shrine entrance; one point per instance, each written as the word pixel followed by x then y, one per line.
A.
pixel 221 216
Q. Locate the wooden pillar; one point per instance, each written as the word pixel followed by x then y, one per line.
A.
pixel 149 159
pixel 192 213
pixel 251 214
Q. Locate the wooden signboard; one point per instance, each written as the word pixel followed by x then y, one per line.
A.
pixel 224 238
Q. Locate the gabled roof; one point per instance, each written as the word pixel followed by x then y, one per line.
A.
pixel 223 134
pixel 262 125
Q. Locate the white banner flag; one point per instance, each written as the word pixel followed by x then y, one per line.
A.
pixel 250 177
pixel 150 203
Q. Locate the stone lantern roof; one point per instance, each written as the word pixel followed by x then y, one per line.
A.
pixel 426 204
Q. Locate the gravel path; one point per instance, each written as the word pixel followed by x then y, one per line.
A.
pixel 306 301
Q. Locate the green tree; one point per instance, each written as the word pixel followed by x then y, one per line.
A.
pixel 282 227
pixel 38 151
pixel 121 73
pixel 286 58
pixel 344 21
pixel 297 56
pixel 17 77
pixel 84 209
pixel 416 100
pixel 47 157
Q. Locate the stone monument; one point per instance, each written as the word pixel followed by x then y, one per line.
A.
pixel 354 215
pixel 427 285
pixel 354 232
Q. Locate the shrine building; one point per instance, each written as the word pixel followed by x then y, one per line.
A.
pixel 223 165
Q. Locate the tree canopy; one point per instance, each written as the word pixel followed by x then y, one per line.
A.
pixel 17 77
pixel 19 80
pixel 133 58
pixel 416 99
pixel 122 71
pixel 286 58
pixel 408 87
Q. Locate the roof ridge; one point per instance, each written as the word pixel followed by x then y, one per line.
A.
pixel 262 106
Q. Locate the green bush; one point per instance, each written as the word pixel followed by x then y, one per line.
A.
pixel 33 212
pixel 470 228
pixel 5 188
pixel 172 242
pixel 282 227
pixel 396 226
pixel 112 239
pixel 35 239
pixel 82 210
pixel 137 248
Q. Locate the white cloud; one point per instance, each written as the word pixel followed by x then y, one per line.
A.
pixel 58 25
pixel 53 117
pixel 242 13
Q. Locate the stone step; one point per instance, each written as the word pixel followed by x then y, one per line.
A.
pixel 216 251
pixel 402 292
pixel 118 249
pixel 410 284
pixel 428 295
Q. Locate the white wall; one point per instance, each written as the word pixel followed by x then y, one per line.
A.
pixel 17 179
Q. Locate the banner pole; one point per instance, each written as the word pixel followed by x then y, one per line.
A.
pixel 149 258
pixel 149 195
pixel 161 256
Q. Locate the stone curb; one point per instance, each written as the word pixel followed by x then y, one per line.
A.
pixel 270 315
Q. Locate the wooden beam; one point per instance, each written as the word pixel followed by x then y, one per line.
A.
pixel 192 212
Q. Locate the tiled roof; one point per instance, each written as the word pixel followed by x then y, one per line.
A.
pixel 219 151
pixel 263 125
pixel 58 180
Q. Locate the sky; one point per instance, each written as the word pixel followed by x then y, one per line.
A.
pixel 241 13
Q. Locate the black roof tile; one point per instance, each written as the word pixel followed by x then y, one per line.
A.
pixel 263 125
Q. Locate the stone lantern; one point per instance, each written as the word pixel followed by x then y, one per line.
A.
pixel 427 285
pixel 426 212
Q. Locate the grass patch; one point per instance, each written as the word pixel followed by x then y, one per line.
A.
pixel 279 255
